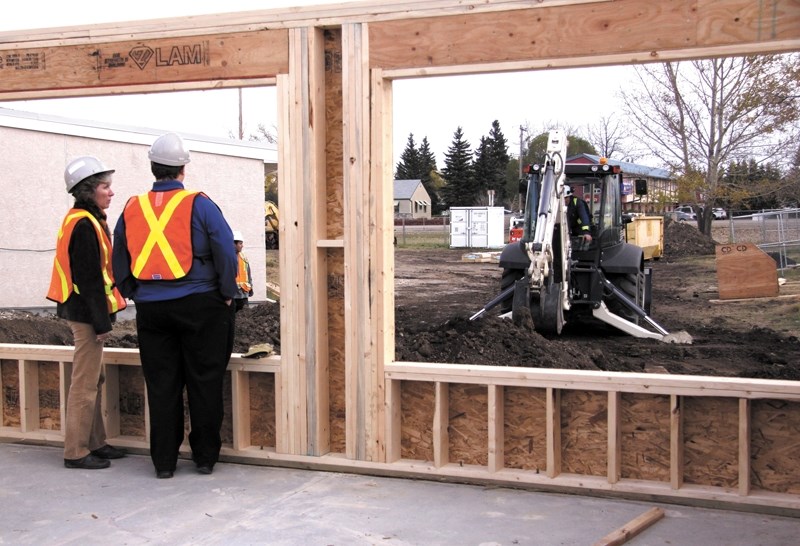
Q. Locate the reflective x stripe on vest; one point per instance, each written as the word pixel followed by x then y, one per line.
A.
pixel 158 231
pixel 61 285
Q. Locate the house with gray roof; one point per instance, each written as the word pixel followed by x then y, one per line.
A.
pixel 411 199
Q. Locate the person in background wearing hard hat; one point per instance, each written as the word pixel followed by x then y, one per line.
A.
pixel 82 285
pixel 577 216
pixel 174 257
pixel 244 280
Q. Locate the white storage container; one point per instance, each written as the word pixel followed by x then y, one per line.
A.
pixel 477 227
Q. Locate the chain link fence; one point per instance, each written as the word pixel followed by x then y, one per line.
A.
pixel 776 232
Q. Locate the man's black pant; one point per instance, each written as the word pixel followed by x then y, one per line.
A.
pixel 185 342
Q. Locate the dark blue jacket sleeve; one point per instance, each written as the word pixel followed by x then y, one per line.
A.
pixel 220 240
pixel 121 261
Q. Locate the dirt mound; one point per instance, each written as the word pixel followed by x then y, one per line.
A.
pixel 684 239
pixel 489 341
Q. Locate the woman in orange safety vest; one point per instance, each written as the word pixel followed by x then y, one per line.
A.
pixel 82 285
pixel 244 279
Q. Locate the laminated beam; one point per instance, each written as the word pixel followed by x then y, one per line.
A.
pixel 141 63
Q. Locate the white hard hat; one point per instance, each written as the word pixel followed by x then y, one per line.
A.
pixel 567 191
pixel 169 150
pixel 82 168
pixel 237 236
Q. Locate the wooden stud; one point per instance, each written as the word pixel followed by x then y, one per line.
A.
pixel 744 446
pixel 64 383
pixel 441 423
pixel 28 395
pixel 496 402
pixel 381 265
pixel 553 412
pixel 676 469
pixel 614 437
pixel 240 402
pixel 360 367
pixel 394 421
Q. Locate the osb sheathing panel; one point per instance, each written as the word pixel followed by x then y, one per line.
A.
pixel 711 441
pixel 645 441
pixel 262 409
pixel 132 401
pixel 49 396
pixel 334 168
pixel 525 428
pixel 584 432
pixel 226 432
pixel 416 420
pixel 636 29
pixel 334 228
pixel 775 446
pixel 9 378
pixel 468 429
pixel 336 397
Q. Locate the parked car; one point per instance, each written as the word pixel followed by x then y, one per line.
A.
pixel 682 216
pixel 719 214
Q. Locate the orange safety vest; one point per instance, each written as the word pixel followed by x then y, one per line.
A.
pixel 61 285
pixel 241 275
pixel 158 227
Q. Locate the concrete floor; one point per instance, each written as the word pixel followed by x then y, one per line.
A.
pixel 44 503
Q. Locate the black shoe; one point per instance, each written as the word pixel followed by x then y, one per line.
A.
pixel 164 474
pixel 108 452
pixel 90 462
pixel 205 468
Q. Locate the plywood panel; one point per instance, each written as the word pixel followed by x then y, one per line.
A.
pixel 49 397
pixel 525 428
pixel 334 229
pixel 417 406
pixel 645 437
pixel 584 432
pixel 262 409
pixel 775 446
pixel 711 441
pixel 131 401
pixel 745 271
pixel 336 378
pixel 468 430
pixel 9 379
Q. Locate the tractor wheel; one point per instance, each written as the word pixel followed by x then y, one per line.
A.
pixel 510 276
pixel 547 310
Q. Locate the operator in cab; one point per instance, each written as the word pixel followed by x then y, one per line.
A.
pixel 577 216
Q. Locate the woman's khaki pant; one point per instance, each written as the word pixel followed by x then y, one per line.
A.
pixel 84 430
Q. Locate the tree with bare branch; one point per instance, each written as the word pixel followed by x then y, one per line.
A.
pixel 698 116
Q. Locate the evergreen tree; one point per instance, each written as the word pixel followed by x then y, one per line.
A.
pixel 499 151
pixel 459 187
pixel 408 168
pixel 427 174
pixel 484 170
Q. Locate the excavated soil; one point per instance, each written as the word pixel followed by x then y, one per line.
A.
pixel 436 293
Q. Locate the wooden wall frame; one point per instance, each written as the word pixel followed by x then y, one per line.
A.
pixel 338 250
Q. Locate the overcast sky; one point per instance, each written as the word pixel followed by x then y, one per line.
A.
pixel 431 107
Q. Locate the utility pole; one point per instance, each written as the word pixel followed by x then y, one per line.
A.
pixel 522 141
pixel 241 125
